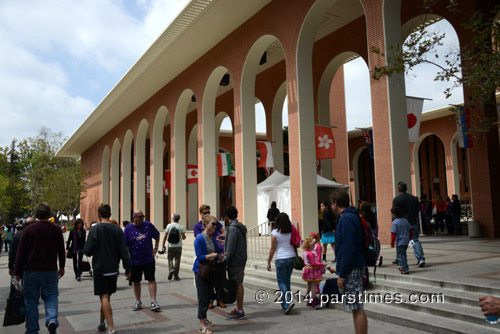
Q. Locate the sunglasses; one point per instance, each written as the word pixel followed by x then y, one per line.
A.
pixel 214 224
pixel 205 213
pixel 139 216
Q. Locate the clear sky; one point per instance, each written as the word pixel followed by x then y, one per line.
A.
pixel 61 58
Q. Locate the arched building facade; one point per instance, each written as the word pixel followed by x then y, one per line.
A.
pixel 163 114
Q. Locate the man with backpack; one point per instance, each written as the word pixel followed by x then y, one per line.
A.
pixel 174 233
pixel 349 248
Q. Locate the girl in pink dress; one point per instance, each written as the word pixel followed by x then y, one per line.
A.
pixel 312 269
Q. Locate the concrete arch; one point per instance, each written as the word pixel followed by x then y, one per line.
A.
pixel 105 175
pixel 277 126
pixel 179 153
pixel 303 97
pixel 324 89
pixel 115 179
pixel 355 172
pixel 246 170
pixel 127 167
pixel 416 167
pixel 140 165
pixel 162 119
pixel 210 138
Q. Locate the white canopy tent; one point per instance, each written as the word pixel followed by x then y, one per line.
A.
pixel 277 188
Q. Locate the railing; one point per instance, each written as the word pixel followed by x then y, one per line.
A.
pixel 258 242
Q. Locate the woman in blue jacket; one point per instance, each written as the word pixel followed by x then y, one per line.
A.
pixel 205 246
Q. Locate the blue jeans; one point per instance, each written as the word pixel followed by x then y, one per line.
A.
pixel 46 284
pixel 403 262
pixel 284 268
pixel 417 249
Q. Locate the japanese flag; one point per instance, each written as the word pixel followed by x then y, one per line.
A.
pixel 266 154
pixel 414 107
pixel 192 173
pixel 325 144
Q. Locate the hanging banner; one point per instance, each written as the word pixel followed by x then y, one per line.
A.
pixel 368 136
pixel 463 126
pixel 325 144
pixel 223 164
pixel 167 182
pixel 192 173
pixel 414 106
pixel 266 154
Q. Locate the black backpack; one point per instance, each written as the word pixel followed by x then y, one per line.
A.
pixel 371 247
pixel 174 235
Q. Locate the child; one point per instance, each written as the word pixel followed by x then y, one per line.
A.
pixel 401 233
pixel 312 269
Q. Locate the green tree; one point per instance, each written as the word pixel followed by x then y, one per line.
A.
pixel 475 66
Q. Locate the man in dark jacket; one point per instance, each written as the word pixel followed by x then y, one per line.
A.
pixel 15 244
pixel 236 257
pixel 41 245
pixel 456 212
pixel 106 245
pixel 410 207
pixel 350 260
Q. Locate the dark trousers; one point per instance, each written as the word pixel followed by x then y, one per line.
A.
pixel 457 224
pixel 439 221
pixel 174 253
pixel 449 223
pixel 217 285
pixel 203 292
pixel 77 264
pixel 7 244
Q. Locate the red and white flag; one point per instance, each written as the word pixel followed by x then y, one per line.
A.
pixel 167 182
pixel 232 177
pixel 148 186
pixel 192 173
pixel 223 164
pixel 414 107
pixel 266 154
pixel 325 144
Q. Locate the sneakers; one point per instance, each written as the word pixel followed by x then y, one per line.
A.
pixel 421 263
pixel 403 272
pixel 137 305
pixel 113 332
pixel 177 278
pixel 52 327
pixel 101 327
pixel 289 308
pixel 235 314
pixel 79 279
pixel 170 275
pixel 154 306
pixel 395 262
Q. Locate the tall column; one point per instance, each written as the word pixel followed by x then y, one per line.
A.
pixel 277 128
pixel 340 165
pixel 390 132
pixel 115 180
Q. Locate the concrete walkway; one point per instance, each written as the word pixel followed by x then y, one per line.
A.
pixel 470 261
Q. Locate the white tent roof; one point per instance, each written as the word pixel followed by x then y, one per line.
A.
pixel 279 180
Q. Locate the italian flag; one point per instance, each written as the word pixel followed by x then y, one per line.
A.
pixel 223 164
pixel 266 154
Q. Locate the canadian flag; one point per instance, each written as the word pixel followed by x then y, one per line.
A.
pixel 266 154
pixel 167 182
pixel 414 107
pixel 325 144
pixel 192 173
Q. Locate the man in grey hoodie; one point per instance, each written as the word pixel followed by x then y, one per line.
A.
pixel 236 257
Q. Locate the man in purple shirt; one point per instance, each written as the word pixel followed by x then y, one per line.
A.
pixel 138 237
pixel 41 244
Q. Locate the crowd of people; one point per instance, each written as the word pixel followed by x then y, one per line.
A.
pixel 38 253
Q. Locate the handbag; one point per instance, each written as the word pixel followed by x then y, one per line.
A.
pixel 14 312
pixel 205 270
pixel 69 255
pixel 298 262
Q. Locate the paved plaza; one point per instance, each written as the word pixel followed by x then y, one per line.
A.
pixel 452 259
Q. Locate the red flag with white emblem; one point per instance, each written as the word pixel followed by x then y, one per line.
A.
pixel 192 173
pixel 167 182
pixel 325 144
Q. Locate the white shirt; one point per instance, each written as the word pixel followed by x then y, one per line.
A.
pixel 284 249
pixel 181 230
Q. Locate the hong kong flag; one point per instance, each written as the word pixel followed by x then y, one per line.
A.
pixel 325 144
pixel 192 173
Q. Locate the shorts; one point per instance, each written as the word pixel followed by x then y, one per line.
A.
pixel 105 285
pixel 236 274
pixel 352 295
pixel 328 238
pixel 147 269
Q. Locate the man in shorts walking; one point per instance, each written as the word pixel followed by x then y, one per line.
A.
pixel 106 246
pixel 350 260
pixel 139 239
